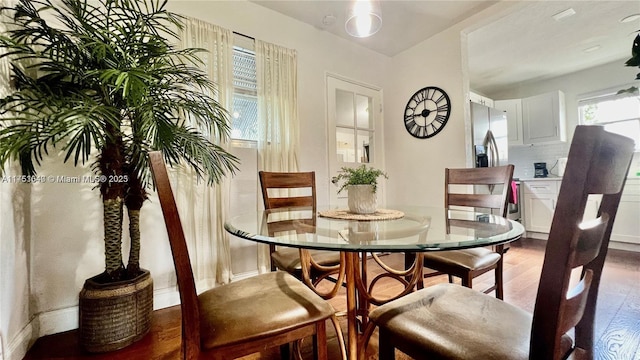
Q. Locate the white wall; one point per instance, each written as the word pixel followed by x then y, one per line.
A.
pixel 15 246
pixel 416 166
pixel 318 51
pixel 45 262
pixel 14 266
pixel 573 85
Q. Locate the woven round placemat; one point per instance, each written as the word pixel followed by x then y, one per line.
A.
pixel 344 214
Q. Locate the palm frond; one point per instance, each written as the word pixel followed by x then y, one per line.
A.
pixel 108 71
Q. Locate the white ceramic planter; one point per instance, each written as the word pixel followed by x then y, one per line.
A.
pixel 362 199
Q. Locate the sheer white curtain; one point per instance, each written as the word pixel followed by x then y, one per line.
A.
pixel 277 80
pixel 204 208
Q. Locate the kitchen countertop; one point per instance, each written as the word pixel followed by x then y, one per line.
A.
pixel 558 178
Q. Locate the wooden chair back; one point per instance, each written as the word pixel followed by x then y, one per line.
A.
pixel 186 284
pixel 312 271
pixel 598 164
pixel 302 222
pixel 289 181
pixel 294 181
pixel 490 176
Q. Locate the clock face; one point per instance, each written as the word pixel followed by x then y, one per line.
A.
pixel 427 112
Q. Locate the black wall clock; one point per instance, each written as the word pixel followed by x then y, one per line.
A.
pixel 427 112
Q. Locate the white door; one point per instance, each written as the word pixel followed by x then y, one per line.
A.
pixel 354 113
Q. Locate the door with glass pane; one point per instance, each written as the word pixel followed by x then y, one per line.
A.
pixel 355 130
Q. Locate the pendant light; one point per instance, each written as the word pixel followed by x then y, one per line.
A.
pixel 364 18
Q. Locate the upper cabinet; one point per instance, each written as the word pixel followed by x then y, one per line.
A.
pixel 479 99
pixel 513 108
pixel 537 119
pixel 543 118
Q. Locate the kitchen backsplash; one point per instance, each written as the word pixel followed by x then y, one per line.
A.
pixel 523 157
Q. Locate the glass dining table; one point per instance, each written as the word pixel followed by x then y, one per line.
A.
pixel 407 229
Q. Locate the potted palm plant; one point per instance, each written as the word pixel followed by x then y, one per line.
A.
pixel 361 183
pixel 102 83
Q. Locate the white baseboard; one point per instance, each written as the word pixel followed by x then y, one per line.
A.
pixel 244 275
pixel 18 346
pixel 56 321
pixel 163 298
pixel 536 235
pixel 618 245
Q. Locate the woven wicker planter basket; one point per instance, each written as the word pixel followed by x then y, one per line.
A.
pixel 115 315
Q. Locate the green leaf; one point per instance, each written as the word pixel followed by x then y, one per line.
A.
pixel 362 175
pixel 109 66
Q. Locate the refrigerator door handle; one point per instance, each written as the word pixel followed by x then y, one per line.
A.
pixel 495 150
pixel 492 148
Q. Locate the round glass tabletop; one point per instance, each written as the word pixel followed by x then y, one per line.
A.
pixel 419 229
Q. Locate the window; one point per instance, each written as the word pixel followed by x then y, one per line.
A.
pixel 244 121
pixel 619 112
pixel 354 126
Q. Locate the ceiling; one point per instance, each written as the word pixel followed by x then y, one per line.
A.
pixel 527 44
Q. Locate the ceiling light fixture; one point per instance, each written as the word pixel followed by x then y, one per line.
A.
pixel 630 18
pixel 564 14
pixel 364 18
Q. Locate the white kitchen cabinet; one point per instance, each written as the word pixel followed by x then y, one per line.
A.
pixel 592 206
pixel 627 225
pixel 543 118
pixel 479 99
pixel 540 198
pixel 513 108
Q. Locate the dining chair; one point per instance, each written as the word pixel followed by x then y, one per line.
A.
pixel 446 321
pixel 491 190
pixel 243 317
pixel 298 190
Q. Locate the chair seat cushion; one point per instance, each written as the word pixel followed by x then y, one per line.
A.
pixel 288 259
pixel 228 314
pixel 471 259
pixel 448 321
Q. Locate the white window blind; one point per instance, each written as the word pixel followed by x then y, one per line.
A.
pixel 245 100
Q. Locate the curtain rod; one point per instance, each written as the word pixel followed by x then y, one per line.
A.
pixel 247 36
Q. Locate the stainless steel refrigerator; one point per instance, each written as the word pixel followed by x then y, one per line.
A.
pixel 490 141
pixel 491 146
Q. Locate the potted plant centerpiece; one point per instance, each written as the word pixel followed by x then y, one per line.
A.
pixel 100 82
pixel 361 183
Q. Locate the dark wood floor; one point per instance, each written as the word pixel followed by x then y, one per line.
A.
pixel 617 328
